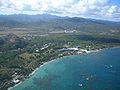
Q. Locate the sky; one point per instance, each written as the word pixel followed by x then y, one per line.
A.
pixel 97 9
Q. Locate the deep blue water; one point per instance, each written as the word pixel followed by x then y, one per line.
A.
pixel 95 71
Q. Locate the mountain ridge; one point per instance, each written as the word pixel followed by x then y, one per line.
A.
pixel 52 23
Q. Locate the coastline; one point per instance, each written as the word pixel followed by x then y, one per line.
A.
pixel 47 62
pixel 32 73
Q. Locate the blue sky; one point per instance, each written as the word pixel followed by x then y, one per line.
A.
pixel 97 9
pixel 116 2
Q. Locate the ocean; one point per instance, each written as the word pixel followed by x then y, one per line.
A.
pixel 93 71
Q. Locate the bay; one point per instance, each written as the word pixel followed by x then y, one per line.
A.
pixel 93 71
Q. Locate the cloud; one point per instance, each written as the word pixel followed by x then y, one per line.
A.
pixel 102 9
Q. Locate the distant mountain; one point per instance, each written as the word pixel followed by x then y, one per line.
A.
pixel 23 20
pixel 53 23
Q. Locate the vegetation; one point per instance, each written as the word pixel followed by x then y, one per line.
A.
pixel 48 23
pixel 40 38
pixel 23 55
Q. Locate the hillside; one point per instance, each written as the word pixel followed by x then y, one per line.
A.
pixel 50 23
pixel 11 42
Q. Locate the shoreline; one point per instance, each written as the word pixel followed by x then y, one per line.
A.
pixel 31 74
pixel 40 67
pixel 47 62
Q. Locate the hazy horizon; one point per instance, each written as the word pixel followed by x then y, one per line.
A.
pixel 95 9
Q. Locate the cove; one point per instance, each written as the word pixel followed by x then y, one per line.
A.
pixel 93 71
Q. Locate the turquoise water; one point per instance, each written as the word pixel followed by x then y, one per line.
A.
pixel 95 71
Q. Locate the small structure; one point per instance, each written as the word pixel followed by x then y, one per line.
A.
pixel 37 50
pixel 80 84
pixel 69 49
